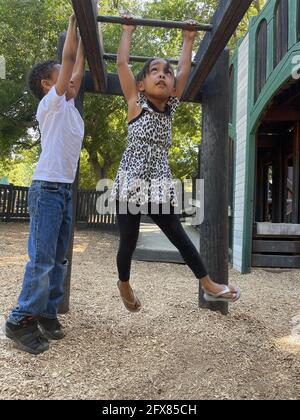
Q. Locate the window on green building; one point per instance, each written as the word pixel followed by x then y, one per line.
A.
pixel 298 20
pixel 231 93
pixel 281 30
pixel 261 57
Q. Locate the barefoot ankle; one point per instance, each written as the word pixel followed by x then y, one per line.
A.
pixel 206 282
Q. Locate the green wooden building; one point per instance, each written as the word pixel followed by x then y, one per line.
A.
pixel 264 135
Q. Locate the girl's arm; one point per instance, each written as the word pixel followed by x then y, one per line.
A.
pixel 68 58
pixel 78 72
pixel 127 79
pixel 184 65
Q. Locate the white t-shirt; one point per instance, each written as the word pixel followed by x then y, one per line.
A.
pixel 62 130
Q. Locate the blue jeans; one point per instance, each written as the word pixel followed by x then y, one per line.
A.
pixel 50 208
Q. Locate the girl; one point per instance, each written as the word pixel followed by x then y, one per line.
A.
pixel 144 176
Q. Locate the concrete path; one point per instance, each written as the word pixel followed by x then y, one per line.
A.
pixel 153 245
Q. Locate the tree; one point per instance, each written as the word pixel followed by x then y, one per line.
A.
pixel 253 10
pixel 29 33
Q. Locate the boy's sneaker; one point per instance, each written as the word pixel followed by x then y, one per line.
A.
pixel 27 336
pixel 51 328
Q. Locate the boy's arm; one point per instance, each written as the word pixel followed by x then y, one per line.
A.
pixel 184 65
pixel 68 58
pixel 78 72
pixel 127 79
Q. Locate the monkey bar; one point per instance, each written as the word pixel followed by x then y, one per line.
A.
pixel 169 24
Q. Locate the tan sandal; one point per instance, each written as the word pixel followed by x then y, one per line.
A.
pixel 134 306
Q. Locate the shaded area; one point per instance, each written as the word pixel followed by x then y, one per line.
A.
pixel 153 245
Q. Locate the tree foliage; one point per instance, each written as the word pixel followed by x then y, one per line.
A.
pixel 29 32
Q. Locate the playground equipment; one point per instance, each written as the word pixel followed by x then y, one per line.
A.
pixel 208 84
pixel 154 23
pixel 265 129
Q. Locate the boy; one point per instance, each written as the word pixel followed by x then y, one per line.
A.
pixel 34 320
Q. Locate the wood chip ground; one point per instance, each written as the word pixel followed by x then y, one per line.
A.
pixel 171 349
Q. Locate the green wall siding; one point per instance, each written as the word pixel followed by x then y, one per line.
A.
pixel 276 78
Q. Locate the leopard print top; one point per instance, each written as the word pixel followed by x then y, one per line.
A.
pixel 144 174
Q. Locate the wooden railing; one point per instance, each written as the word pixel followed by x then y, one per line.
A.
pixel 87 214
pixel 13 203
pixel 14 207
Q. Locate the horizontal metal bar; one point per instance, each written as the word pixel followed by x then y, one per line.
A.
pixel 154 23
pixel 139 59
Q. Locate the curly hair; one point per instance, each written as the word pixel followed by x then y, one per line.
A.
pixel 39 72
pixel 145 70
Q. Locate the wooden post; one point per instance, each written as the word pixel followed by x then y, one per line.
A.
pixel 214 242
pixel 10 203
pixel 65 305
pixel 260 187
pixel 278 183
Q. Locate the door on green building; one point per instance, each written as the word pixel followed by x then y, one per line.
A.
pixel 277 186
pixel 276 236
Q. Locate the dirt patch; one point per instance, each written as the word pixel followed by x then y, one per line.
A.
pixel 170 350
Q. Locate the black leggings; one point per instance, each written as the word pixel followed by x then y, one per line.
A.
pixel 129 227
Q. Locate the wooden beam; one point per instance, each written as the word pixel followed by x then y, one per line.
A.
pixel 282 114
pixel 225 22
pixel 86 15
pixel 276 246
pixel 154 23
pixel 275 261
pixel 266 142
pixel 289 94
pixel 113 84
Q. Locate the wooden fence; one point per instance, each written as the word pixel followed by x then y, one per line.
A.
pixel 13 203
pixel 87 214
pixel 14 207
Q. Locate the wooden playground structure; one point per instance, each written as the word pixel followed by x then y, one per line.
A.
pixel 209 85
pixel 265 129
